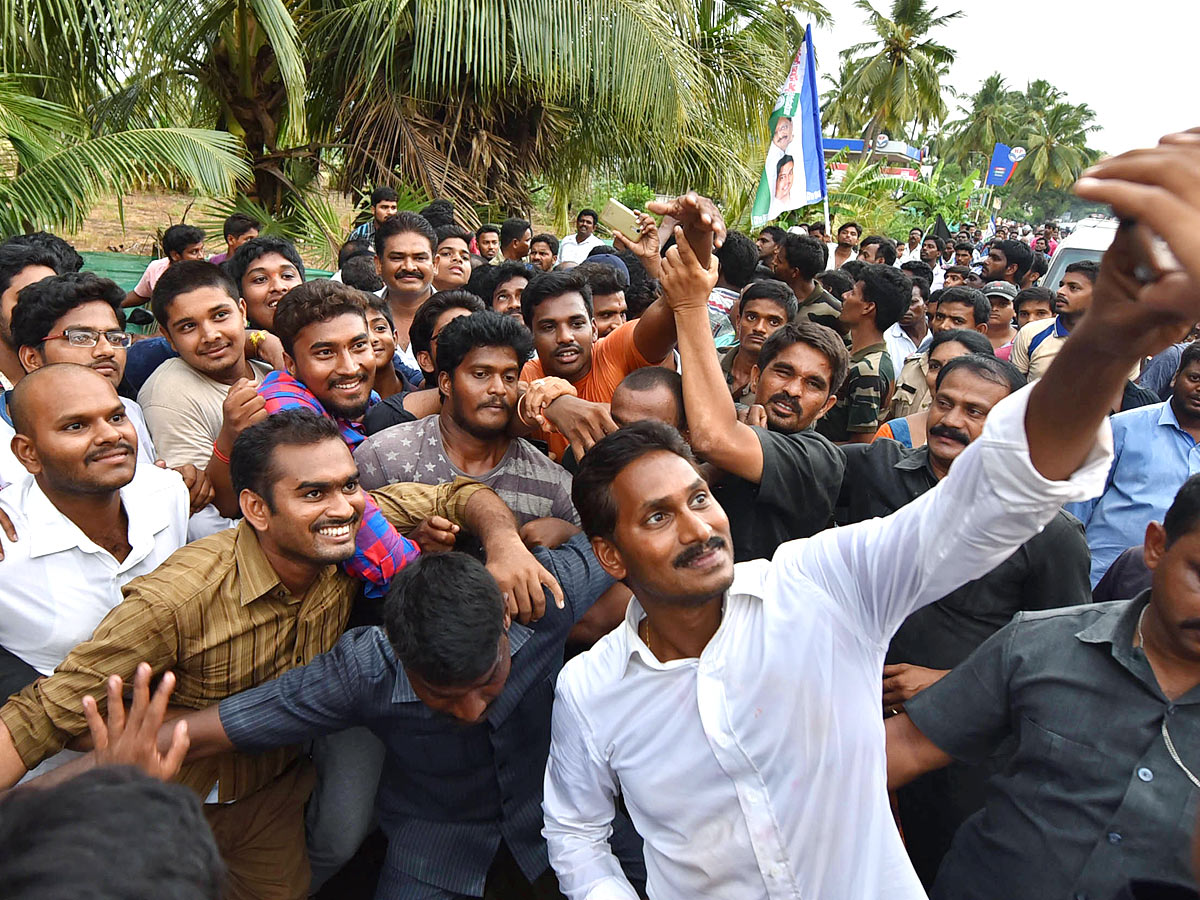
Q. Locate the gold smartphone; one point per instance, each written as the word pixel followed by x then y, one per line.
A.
pixel 616 216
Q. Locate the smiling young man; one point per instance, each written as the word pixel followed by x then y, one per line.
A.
pixel 264 270
pixel 203 320
pixel 404 248
pixel 764 308
pixel 760 682
pixel 575 247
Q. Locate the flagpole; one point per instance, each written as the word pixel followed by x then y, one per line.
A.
pixel 828 226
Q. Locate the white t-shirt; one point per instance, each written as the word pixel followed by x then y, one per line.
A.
pixel 570 249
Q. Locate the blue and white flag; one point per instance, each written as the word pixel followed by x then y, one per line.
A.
pixel 794 173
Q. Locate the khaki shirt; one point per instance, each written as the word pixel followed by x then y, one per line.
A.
pixel 912 388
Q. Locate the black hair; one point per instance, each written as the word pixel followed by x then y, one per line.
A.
pixel 420 331
pixel 987 366
pixel 1033 293
pixel 836 281
pixel 853 267
pixel 922 285
pixel 69 258
pixel 886 254
pixel 891 292
pixel 776 292
pixel 513 230
pixel 444 615
pixel 941 244
pixel 1190 354
pixel 918 268
pixel 964 271
pixel 967 247
pixel 973 340
pixel 405 222
pixel 587 212
pixel 603 278
pixel 774 232
pixel 41 304
pixel 817 228
pixel 178 238
pixel 643 288
pixel 481 329
pixel 803 253
pixel 820 337
pixel 738 258
pixel 1088 268
pixel 238 224
pixel 439 214
pixel 918 229
pixel 252 460
pixel 444 232
pixel 549 285
pixel 649 378
pixel 783 161
pixel 356 247
pixel 487 228
pixel 1015 253
pixel 14 258
pixel 110 833
pixel 381 194
pixel 1183 515
pixel 1040 265
pixel 854 225
pixel 591 489
pixel 981 306
pixel 315 301
pixel 548 239
pixel 486 280
pixel 761 272
pixel 359 272
pixel 378 304
pixel 182 277
pixel 246 255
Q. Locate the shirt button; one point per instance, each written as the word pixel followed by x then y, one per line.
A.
pixel 753 796
pixel 1171 709
pixel 1114 838
pixel 1145 774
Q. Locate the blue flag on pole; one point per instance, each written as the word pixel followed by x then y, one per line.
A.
pixel 1004 162
pixel 794 173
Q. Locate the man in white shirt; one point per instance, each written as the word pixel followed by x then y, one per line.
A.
pixel 198 310
pixel 88 518
pixel 913 249
pixel 574 248
pixel 737 709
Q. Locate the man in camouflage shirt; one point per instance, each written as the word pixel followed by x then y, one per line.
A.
pixel 880 295
pixel 798 261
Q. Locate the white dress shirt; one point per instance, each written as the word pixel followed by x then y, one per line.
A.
pixel 759 769
pixel 900 346
pixel 571 249
pixel 57 584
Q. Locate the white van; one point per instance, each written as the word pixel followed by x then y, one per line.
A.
pixel 1089 240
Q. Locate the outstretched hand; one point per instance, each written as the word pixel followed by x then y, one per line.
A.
pixel 702 222
pixel 646 247
pixel 686 281
pixel 132 740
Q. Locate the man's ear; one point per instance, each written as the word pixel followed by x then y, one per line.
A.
pixel 755 374
pixel 1154 547
pixel 981 327
pixel 289 363
pixel 26 454
pixel 443 382
pixel 30 358
pixel 425 361
pixel 254 509
pixel 827 406
pixel 609 557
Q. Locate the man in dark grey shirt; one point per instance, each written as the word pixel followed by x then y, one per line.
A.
pixel 1102 706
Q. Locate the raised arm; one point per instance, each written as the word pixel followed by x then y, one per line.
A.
pixel 716 433
pixel 909 753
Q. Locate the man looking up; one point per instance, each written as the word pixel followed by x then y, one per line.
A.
pixel 779 472
pixel 487 239
pixel 383 207
pixel 198 312
pixel 880 295
pixel 765 307
pixel 238 229
pixel 798 261
pixel 575 247
pixel 543 252
pixel 264 270
pixel 847 240
pixel 1039 342
pixel 788 651
pixel 404 247
pixel 1049 570
pixel 911 334
pixel 515 235
pixel 479 361
pixel 501 287
pixel 768 242
pixel 452 261
pixel 20 265
pixel 179 242
pixel 1007 261
pixel 88 517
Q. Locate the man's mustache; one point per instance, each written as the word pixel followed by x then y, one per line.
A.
pixel 950 434
pixel 694 552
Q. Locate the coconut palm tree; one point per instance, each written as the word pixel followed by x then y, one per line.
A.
pixel 1056 145
pixel 989 116
pixel 898 75
pixel 843 113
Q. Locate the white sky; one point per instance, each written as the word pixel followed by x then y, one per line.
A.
pixel 1133 66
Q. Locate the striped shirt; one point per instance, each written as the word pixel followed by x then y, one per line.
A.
pixel 530 484
pixel 216 614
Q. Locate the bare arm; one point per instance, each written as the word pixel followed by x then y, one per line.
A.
pixel 909 752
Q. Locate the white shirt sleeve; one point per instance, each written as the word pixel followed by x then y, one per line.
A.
pixel 993 500
pixel 578 802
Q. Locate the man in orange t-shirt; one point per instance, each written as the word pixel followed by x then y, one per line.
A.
pixel 557 307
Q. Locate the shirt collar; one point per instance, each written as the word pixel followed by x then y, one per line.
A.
pixel 4 395
pixel 1059 330
pixel 914 461
pixel 256 578
pixel 1116 625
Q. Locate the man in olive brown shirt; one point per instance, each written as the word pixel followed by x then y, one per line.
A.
pixel 242 607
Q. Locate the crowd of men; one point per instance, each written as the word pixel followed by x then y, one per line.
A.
pixel 697 564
